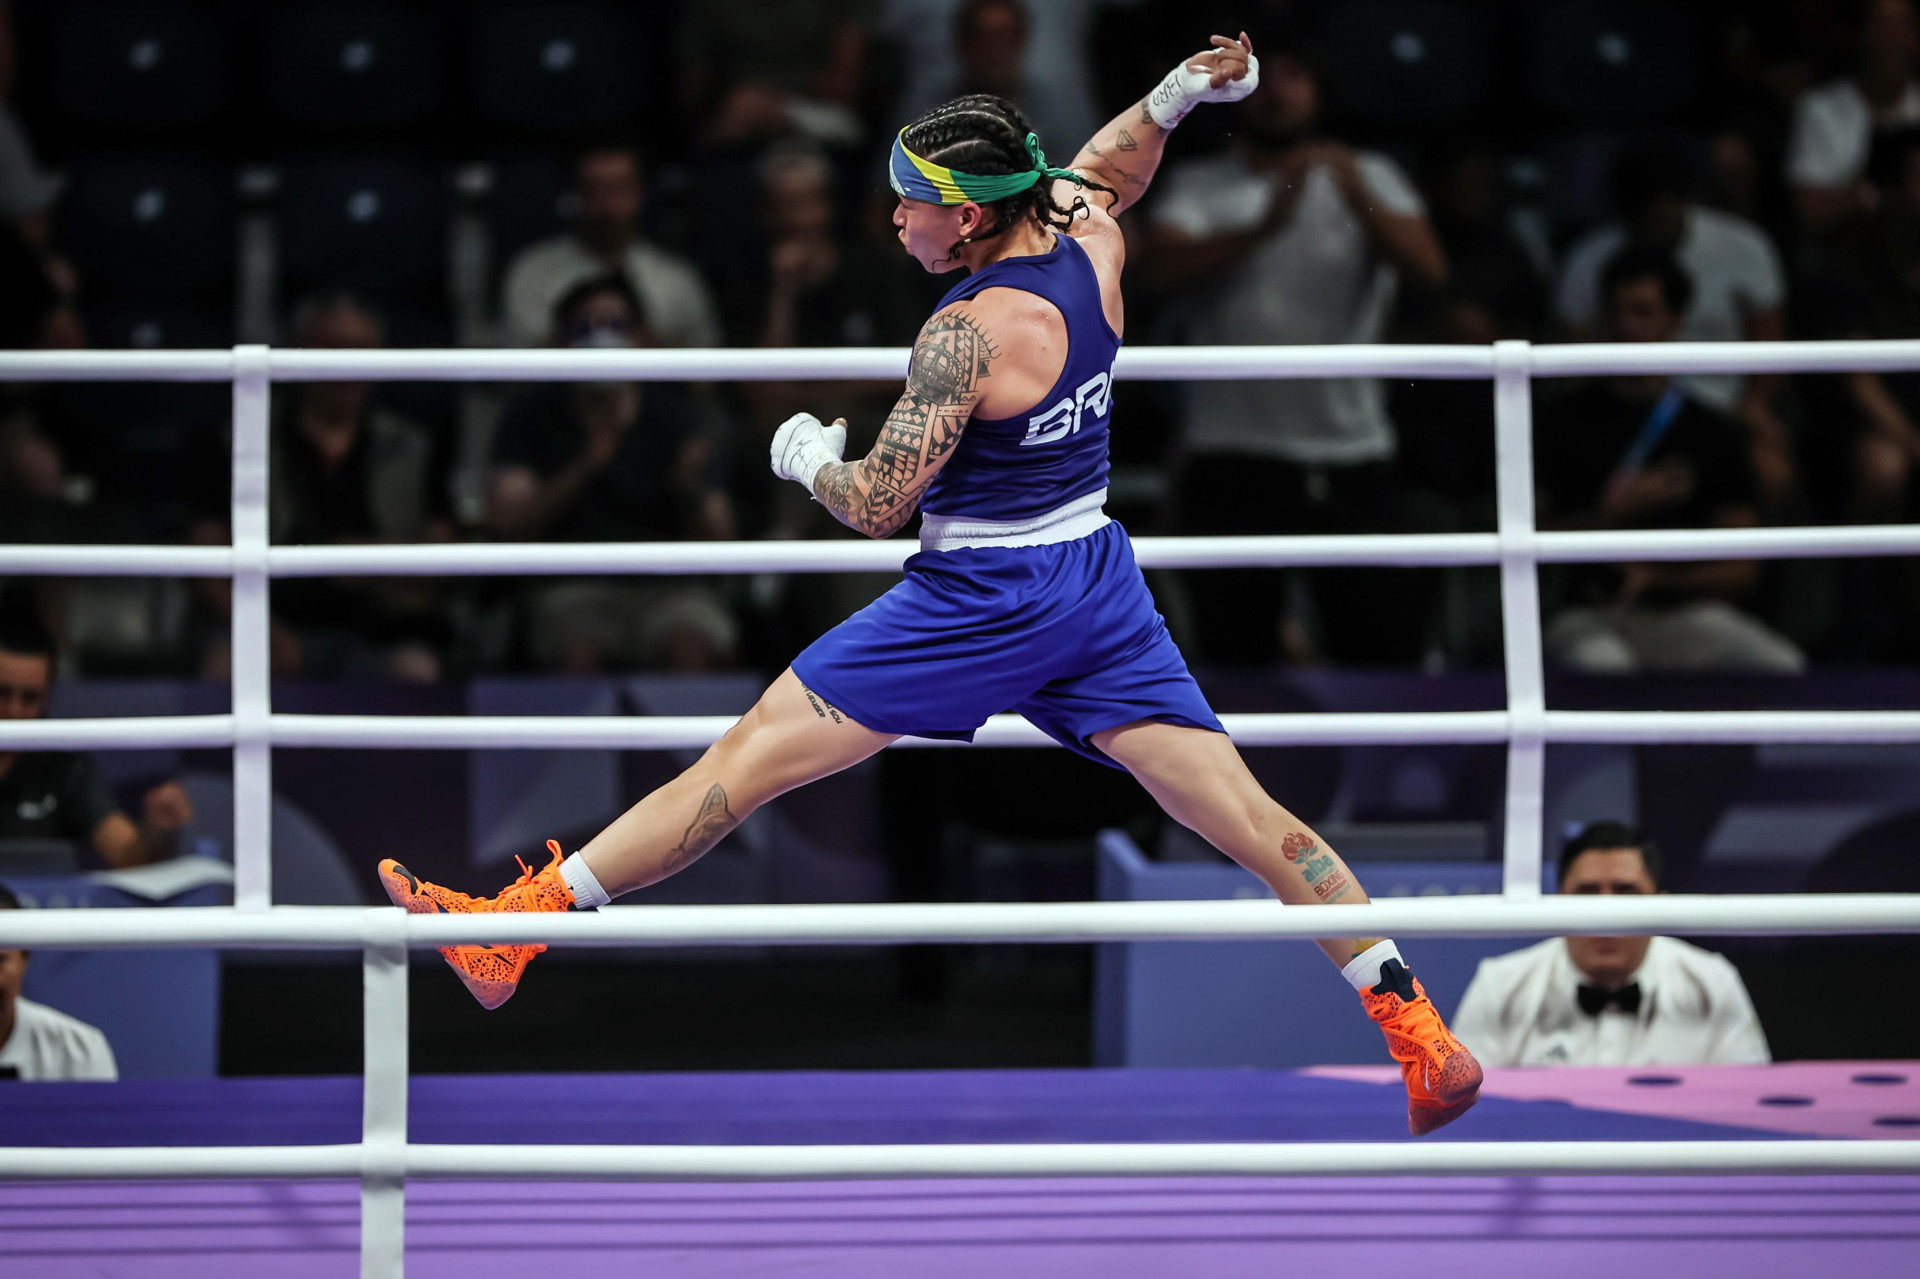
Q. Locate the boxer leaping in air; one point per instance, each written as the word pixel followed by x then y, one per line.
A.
pixel 1024 596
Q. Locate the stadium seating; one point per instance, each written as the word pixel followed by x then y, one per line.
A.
pixel 355 66
pixel 555 67
pixel 1407 61
pixel 148 225
pixel 136 324
pixel 1617 60
pixel 141 68
pixel 374 223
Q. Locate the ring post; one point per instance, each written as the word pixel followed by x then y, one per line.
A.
pixel 1520 617
pixel 383 1098
pixel 252 675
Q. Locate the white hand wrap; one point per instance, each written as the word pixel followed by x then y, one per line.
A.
pixel 1184 89
pixel 802 446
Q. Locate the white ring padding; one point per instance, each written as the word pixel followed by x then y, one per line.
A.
pixel 1406 550
pixel 681 732
pixel 1410 550
pixel 879 364
pixel 49 1163
pixel 673 732
pixel 133 732
pixel 1726 543
pixel 1612 359
pixel 973 923
pixel 1091 1159
pixel 1495 1158
pixel 1379 728
pixel 117 561
pixel 889 364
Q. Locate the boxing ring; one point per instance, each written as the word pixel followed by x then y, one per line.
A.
pixel 382 1160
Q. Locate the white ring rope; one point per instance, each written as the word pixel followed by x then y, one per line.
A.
pixel 681 732
pixel 1406 550
pixel 965 923
pixel 429 1162
pixel 881 364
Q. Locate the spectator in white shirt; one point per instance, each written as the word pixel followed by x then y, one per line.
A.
pixel 1738 290
pixel 609 193
pixel 1289 238
pixel 1834 125
pixel 37 1042
pixel 1610 1001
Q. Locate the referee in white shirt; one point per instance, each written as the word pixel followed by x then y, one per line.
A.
pixel 38 1042
pixel 1610 1001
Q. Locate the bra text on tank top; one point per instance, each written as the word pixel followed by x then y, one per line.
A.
pixel 1063 419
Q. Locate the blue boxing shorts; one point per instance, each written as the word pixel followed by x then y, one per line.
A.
pixel 1066 634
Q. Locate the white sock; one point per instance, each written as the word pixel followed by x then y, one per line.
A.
pixel 586 890
pixel 1363 971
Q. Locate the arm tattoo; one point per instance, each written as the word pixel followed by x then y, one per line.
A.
pixel 713 820
pixel 1117 167
pixel 835 487
pixel 879 493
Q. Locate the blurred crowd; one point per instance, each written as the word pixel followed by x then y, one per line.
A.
pixel 1749 172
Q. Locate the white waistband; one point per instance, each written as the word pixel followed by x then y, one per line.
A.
pixel 1062 524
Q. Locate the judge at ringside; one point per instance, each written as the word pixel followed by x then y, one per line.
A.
pixel 1610 1001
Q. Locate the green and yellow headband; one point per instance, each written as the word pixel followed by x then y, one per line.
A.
pixel 917 178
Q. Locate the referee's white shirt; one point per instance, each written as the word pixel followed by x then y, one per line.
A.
pixel 1522 1009
pixel 48 1044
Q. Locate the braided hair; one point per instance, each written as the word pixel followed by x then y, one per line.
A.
pixel 986 134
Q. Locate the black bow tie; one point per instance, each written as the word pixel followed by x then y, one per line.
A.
pixel 1594 1001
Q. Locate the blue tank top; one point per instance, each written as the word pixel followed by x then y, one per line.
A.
pixel 1019 468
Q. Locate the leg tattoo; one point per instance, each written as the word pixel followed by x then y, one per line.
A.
pixel 1323 874
pixel 712 822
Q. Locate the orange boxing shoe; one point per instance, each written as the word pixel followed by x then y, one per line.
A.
pixel 491 973
pixel 1443 1079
